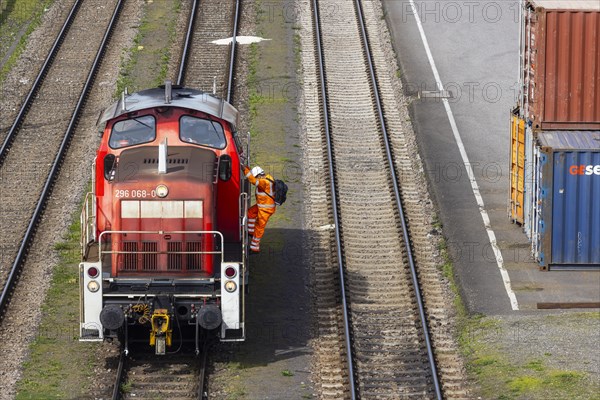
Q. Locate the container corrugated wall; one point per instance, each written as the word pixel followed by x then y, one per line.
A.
pixel 562 68
pixel 517 169
pixel 569 228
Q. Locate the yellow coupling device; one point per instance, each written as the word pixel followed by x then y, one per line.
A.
pixel 160 336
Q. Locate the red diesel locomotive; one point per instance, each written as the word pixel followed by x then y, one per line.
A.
pixel 164 229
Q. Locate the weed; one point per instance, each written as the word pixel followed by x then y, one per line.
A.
pixel 535 365
pixel 62 246
pixel 564 378
pixel 126 387
pixel 26 15
pixel 287 372
pixel 524 384
pixel 236 394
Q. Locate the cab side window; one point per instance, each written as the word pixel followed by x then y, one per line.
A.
pixel 202 132
pixel 133 131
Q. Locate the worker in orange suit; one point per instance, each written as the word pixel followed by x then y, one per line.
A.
pixel 265 206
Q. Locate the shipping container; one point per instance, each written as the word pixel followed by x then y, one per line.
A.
pixel 560 64
pixel 567 174
pixel 521 203
pixel 530 208
pixel 517 168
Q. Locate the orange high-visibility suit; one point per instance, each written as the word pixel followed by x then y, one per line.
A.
pixel 265 206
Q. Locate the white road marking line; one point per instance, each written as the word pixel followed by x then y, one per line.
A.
pixel 484 215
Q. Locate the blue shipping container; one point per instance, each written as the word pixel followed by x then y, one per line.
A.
pixel 569 198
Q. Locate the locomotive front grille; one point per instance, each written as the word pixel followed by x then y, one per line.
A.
pixel 175 258
pixel 149 256
pixel 169 161
pixel 194 261
pixel 129 259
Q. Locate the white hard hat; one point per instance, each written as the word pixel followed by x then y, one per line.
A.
pixel 257 171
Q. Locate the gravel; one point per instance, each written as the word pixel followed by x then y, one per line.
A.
pixel 569 340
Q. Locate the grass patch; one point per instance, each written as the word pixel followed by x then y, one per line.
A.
pixel 501 378
pixel 146 63
pixel 18 19
pixel 505 379
pixel 126 387
pixel 524 384
pixel 448 271
pixel 535 365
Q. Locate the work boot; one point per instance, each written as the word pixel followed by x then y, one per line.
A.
pixel 255 245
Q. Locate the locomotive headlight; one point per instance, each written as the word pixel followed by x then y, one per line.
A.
pixel 93 286
pixel 162 191
pixel 230 286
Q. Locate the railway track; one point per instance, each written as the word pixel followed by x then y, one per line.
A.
pixel 34 150
pixel 173 376
pixel 7 137
pixel 383 254
pixel 206 64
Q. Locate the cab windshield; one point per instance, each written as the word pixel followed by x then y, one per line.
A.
pixel 203 132
pixel 133 131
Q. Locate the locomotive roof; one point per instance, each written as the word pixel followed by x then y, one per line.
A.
pixel 180 97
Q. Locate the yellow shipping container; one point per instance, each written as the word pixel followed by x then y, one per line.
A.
pixel 517 168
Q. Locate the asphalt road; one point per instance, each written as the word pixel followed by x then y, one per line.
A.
pixel 474 45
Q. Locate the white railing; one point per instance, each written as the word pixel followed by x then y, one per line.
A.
pixel 87 221
pixel 243 217
pixel 103 234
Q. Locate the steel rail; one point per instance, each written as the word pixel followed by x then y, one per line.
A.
pixel 398 197
pixel 47 190
pixel 12 133
pixel 202 370
pixel 187 44
pixel 236 21
pixel 334 200
pixel 116 393
pixel 183 64
pixel 200 394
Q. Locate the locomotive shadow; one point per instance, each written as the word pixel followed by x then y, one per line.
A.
pixel 278 314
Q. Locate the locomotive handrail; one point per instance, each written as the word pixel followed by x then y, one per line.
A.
pixel 243 216
pixel 221 252
pixel 87 222
pixel 87 218
pixel 243 228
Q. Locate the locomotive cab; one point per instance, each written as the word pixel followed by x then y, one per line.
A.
pixel 164 229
